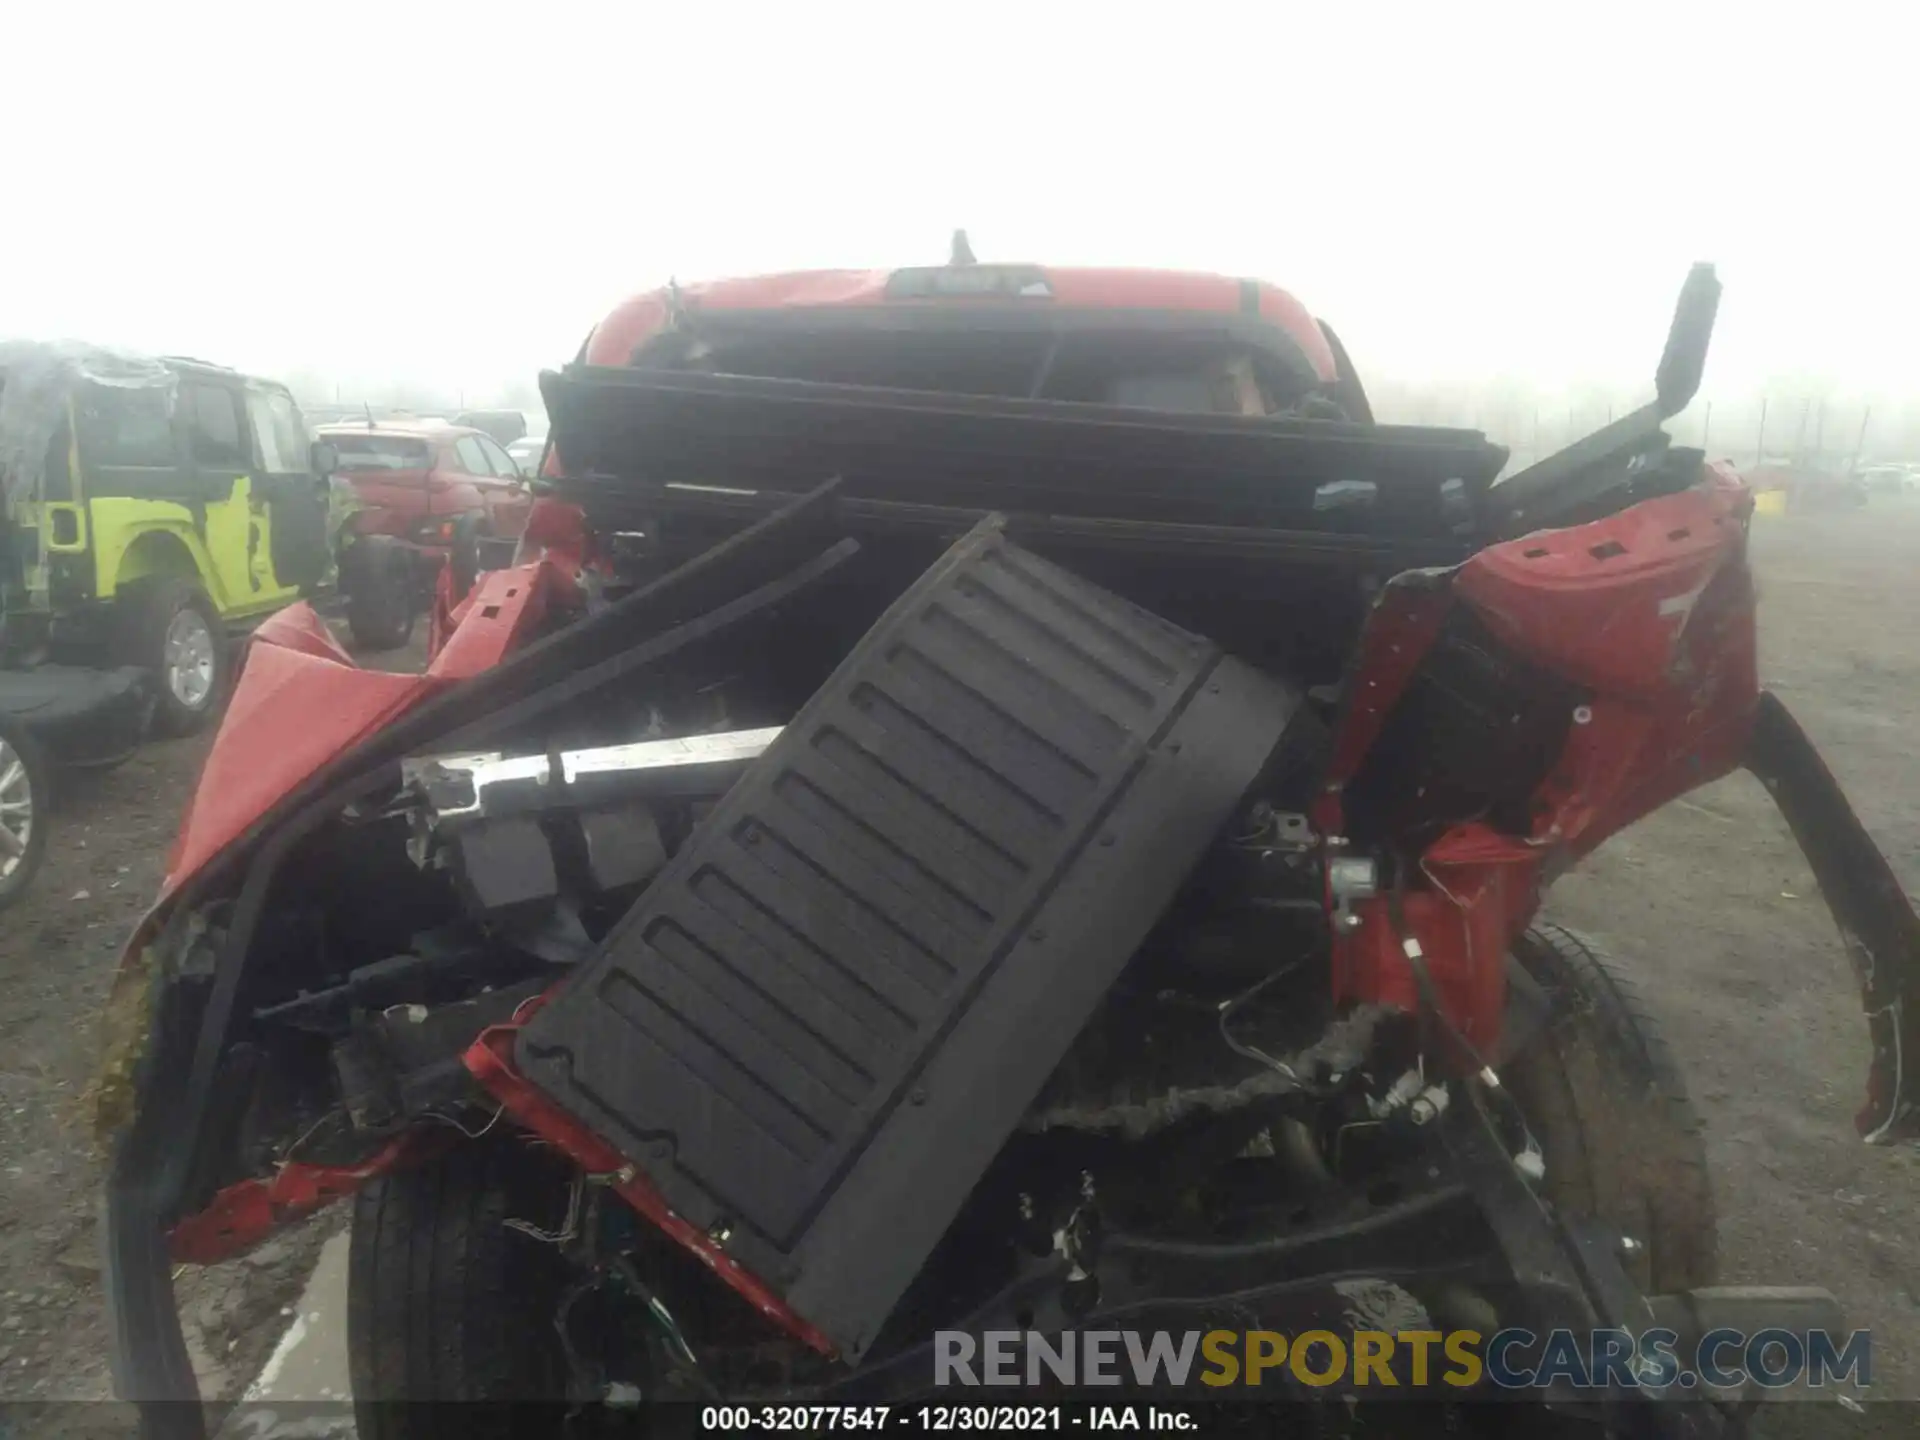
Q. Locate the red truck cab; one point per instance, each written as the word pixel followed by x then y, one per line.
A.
pixel 1157 339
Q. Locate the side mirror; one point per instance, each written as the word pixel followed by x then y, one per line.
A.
pixel 1678 379
pixel 323 458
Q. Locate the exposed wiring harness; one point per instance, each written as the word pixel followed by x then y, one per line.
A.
pixel 1433 1010
pixel 1226 1009
pixel 679 1352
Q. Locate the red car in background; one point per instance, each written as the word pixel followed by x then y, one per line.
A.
pixel 435 492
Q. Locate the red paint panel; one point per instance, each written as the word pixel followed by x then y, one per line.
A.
pixel 490 623
pixel 292 712
pixel 640 318
pixel 243 1215
pixel 1652 610
pixel 1606 604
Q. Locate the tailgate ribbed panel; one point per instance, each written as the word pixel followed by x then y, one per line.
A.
pixel 758 1034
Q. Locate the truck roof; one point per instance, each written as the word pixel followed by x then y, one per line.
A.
pixel 982 295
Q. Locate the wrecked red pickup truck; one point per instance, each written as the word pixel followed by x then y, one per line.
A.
pixel 996 799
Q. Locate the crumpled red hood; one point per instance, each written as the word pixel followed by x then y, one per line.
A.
pixel 300 702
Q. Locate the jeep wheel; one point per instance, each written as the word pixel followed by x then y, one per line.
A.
pixel 169 628
pixel 1604 1098
pixel 26 791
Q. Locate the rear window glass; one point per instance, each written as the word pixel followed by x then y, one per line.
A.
pixel 1140 369
pixel 380 452
pixel 126 425
pixel 1196 392
pixel 214 423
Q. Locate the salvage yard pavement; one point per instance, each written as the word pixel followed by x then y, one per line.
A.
pixel 1708 902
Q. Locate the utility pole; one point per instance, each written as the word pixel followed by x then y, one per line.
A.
pixel 1860 443
pixel 1706 429
pixel 1819 429
pixel 1760 440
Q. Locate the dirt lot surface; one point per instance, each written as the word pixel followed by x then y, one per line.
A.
pixel 1712 903
pixel 58 947
pixel 57 951
pixel 1708 901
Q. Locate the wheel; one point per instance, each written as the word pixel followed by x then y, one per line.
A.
pixel 447 1302
pixel 1604 1098
pixel 167 625
pixel 463 556
pixel 378 577
pixel 26 793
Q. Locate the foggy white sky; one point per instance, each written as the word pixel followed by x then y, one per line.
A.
pixel 454 193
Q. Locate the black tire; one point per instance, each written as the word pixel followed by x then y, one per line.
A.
pixel 33 787
pixel 381 599
pixel 1609 1107
pixel 446 1303
pixel 161 624
pixel 463 556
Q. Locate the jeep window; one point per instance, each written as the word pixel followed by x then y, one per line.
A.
pixel 125 426
pixel 213 426
pixel 56 475
pixel 277 432
pixel 473 460
pixel 380 452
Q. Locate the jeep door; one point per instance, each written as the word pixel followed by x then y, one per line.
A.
pixel 216 457
pixel 284 481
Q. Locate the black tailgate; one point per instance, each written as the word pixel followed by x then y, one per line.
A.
pixel 817 1027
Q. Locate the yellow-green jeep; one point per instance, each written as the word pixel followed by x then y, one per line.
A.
pixel 154 507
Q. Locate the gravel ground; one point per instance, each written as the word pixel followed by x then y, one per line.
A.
pixel 1709 901
pixel 58 947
